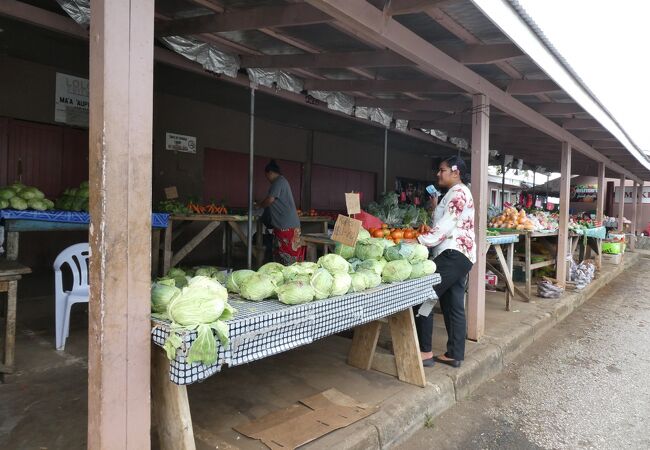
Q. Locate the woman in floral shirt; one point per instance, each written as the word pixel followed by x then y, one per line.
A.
pixel 454 253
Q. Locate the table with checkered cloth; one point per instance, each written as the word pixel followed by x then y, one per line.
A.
pixel 266 328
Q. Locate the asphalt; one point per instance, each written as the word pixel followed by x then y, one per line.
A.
pixel 584 384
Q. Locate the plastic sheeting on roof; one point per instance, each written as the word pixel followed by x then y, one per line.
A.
pixel 78 10
pixel 336 101
pixel 381 116
pixel 277 79
pixel 210 58
pixel 459 142
pixel 401 124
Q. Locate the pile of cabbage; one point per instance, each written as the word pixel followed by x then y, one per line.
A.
pixel 193 299
pixel 371 262
pixel 74 199
pixel 21 197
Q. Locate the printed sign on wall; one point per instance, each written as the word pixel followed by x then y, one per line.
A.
pixel 71 100
pixel 180 143
pixel 629 192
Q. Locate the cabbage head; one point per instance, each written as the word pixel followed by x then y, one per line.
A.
pixel 274 270
pixel 37 204
pixel 345 251
pixel 420 253
pixel 423 268
pixel 373 279
pixel 373 265
pixel 358 282
pixel 295 293
pixel 236 279
pixel 290 273
pixel 6 193
pixel 207 271
pixel 321 281
pixel 341 283
pixel 18 203
pixel 176 272
pixel 334 263
pixel 409 252
pixel 49 204
pixel 369 249
pixel 161 294
pixel 354 264
pixel 4 204
pixel 398 270
pixel 258 287
pixel 363 234
pixel 29 193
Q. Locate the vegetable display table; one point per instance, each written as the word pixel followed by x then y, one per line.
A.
pixel 549 240
pixel 213 222
pixel 16 222
pixel 10 273
pixel 587 240
pixel 313 241
pixel 323 220
pixel 505 273
pixel 266 328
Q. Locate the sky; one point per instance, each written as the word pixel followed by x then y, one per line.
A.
pixel 606 43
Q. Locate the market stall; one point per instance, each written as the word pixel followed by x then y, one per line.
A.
pixel 498 242
pixel 10 273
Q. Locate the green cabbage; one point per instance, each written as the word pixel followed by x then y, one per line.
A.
pixel 372 265
pixel 4 204
pixel 295 270
pixel 6 193
pixel 176 272
pixel 161 294
pixel 295 293
pixel 373 279
pixel 18 203
pixel 398 270
pixel 345 251
pixel 363 234
pixel 354 264
pixel 341 283
pixel 420 253
pixel 423 268
pixel 270 267
pixel 358 282
pixel 29 193
pixel 334 263
pixel 49 204
pixel 82 192
pixel 321 281
pixel 208 271
pixel 37 204
pixel 258 287
pixel 236 279
pixel 369 249
pixel 409 252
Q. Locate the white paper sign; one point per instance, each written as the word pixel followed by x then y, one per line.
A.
pixel 180 143
pixel 629 190
pixel 71 100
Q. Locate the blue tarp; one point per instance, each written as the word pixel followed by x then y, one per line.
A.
pixel 158 220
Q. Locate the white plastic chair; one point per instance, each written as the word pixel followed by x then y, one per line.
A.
pixel 76 258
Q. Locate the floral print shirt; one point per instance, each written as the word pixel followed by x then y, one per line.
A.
pixel 453 224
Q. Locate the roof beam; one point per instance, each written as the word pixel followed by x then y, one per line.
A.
pixel 581 124
pixel 530 87
pixel 415 105
pixel 244 19
pixel 557 109
pixel 42 18
pixel 606 144
pixel 399 7
pixel 602 135
pixel 485 53
pixel 363 19
pixel 383 86
pixel 382 58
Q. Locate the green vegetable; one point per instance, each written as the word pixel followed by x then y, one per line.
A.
pixel 363 234
pixel 373 265
pixel 420 253
pixel 4 203
pixel 290 273
pixel 334 263
pixel 258 287
pixel 358 282
pixel 422 269
pixel 321 281
pixel 18 203
pixel 295 293
pixel 49 204
pixel 36 204
pixel 344 251
pixel 161 295
pixel 341 283
pixel 6 193
pixel 236 279
pixel 398 270
pixel 373 279
pixel 369 249
pixel 270 267
pixel 409 252
pixel 176 272
pixel 210 271
pixel 82 192
pixel 29 193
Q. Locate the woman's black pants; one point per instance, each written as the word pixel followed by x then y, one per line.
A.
pixel 453 268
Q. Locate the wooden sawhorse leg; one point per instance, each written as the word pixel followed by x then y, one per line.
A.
pixel 11 288
pixel 407 359
pixel 170 408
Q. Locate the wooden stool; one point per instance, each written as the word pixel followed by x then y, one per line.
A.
pixel 10 273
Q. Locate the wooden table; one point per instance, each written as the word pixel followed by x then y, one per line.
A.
pixel 525 262
pixel 278 328
pixel 10 273
pixel 593 242
pixel 323 220
pixel 498 242
pixel 314 240
pixel 213 222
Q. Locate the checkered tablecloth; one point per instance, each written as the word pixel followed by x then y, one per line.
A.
pixel 261 329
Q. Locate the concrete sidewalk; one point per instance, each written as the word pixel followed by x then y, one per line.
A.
pixel 49 389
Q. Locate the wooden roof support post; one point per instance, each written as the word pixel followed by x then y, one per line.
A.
pixel 635 201
pixel 563 231
pixel 621 204
pixel 480 154
pixel 121 111
pixel 600 196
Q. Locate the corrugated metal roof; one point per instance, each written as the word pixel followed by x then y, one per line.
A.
pixel 325 37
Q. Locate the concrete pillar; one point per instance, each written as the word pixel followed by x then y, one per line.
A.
pixel 480 154
pixel 621 204
pixel 635 202
pixel 563 231
pixel 602 188
pixel 120 142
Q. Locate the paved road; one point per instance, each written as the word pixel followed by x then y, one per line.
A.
pixel 585 384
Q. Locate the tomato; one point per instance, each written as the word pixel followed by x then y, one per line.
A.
pixel 397 240
pixel 386 232
pixel 371 230
pixel 397 234
pixel 409 234
pixel 384 225
pixel 377 234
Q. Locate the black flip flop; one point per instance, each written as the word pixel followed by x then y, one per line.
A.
pixel 450 362
pixel 428 362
